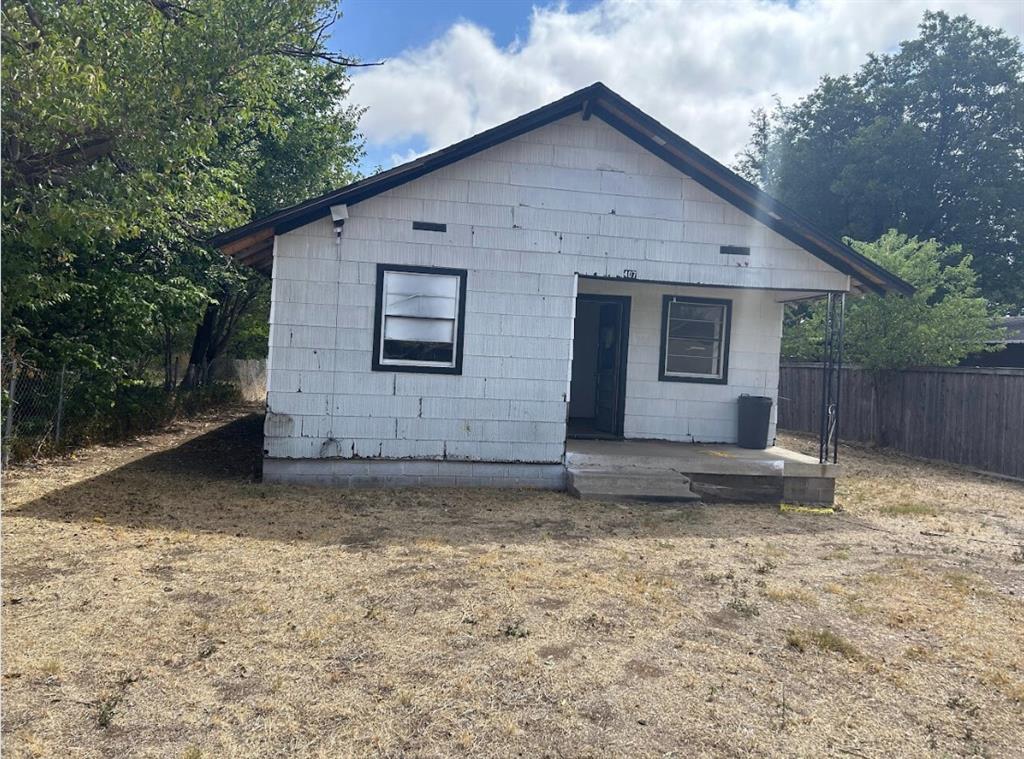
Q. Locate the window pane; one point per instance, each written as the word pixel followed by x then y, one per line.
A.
pixel 693 320
pixel 692 348
pixel 420 305
pixel 687 328
pixel 402 350
pixel 688 365
pixel 425 330
pixel 696 311
pixel 426 295
pixel 408 283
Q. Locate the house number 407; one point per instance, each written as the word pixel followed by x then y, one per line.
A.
pixel 629 273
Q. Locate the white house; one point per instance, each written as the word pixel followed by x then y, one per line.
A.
pixel 580 271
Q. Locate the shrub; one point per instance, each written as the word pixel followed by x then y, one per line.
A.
pixel 133 409
pixel 143 408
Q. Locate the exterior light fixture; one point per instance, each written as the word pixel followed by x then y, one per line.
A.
pixel 338 214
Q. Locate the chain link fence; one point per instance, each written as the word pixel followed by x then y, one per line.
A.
pixel 54 408
pixel 33 408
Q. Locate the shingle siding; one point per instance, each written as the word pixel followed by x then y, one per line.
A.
pixel 523 218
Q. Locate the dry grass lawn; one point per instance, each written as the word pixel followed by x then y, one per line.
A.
pixel 157 601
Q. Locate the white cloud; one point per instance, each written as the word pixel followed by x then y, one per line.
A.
pixel 699 67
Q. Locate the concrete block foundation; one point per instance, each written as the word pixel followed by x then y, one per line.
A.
pixel 814 491
pixel 715 473
pixel 408 473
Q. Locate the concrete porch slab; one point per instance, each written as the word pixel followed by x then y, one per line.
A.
pixel 717 472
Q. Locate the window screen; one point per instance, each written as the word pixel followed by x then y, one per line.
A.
pixel 418 319
pixel 695 339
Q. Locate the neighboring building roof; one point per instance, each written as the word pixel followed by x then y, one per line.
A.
pixel 252 244
pixel 1014 326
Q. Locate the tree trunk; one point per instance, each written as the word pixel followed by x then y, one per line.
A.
pixel 215 331
pixel 169 378
pixel 199 359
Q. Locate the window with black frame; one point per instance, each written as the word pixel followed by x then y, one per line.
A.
pixel 419 319
pixel 694 339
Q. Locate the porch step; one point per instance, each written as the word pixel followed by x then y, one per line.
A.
pixel 636 484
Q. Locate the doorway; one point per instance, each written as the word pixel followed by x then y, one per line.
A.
pixel 597 393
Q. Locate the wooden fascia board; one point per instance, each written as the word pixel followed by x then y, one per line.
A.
pixel 250 254
pixel 263 262
pixel 248 241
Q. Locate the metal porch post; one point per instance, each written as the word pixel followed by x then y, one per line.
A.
pixel 839 376
pixel 826 381
pixel 831 378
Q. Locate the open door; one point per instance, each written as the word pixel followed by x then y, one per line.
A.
pixel 597 395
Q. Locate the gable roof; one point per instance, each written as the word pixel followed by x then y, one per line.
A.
pixel 252 244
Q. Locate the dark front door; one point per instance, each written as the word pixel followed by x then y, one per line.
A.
pixel 598 390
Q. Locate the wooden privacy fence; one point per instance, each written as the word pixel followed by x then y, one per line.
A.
pixel 968 416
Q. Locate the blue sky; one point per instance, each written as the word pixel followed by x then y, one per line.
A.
pixel 373 29
pixel 457 67
pixel 379 29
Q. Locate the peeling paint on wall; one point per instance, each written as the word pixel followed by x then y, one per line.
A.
pixel 278 425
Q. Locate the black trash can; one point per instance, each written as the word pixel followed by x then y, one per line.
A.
pixel 755 414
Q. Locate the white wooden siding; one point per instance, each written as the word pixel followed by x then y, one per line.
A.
pixel 523 218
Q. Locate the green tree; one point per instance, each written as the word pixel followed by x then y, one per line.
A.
pixel 132 131
pixel 928 140
pixel 940 324
pixel 311 149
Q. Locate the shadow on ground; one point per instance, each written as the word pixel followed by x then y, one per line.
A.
pixel 209 484
pixel 230 452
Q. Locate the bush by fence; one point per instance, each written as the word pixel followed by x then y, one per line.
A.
pixel 47 411
pixel 968 416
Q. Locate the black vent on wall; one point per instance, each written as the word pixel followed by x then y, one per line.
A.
pixel 430 226
pixel 734 250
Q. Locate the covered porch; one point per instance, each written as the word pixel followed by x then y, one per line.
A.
pixel 660 360
pixel 654 470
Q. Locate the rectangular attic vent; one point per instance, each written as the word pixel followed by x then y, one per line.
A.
pixel 734 250
pixel 430 226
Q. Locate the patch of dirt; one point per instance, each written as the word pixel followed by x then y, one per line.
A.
pixel 206 614
pixel 549 604
pixel 370 540
pixel 555 653
pixel 600 713
pixel 643 670
pixel 32 573
pixel 724 619
pixel 452 584
pixel 160 571
pixel 197 599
